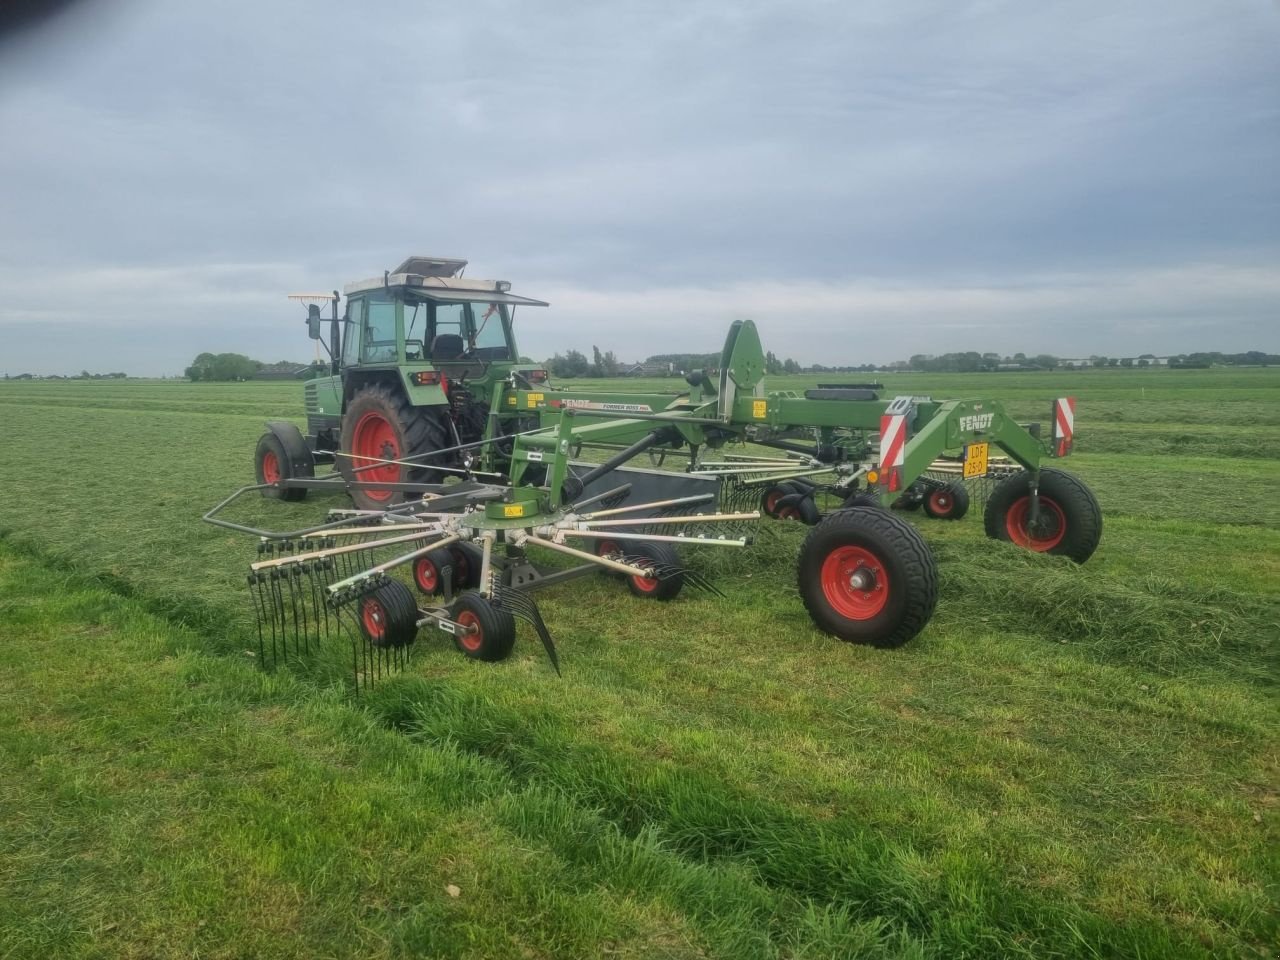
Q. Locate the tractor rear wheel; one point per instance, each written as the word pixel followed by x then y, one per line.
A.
pixel 947 503
pixel 866 576
pixel 1070 520
pixel 381 424
pixel 272 465
pixel 488 633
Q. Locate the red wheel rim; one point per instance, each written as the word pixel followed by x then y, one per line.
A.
pixel 1053 524
pixel 788 513
pixel 472 641
pixel 270 467
pixel 374 438
pixel 426 575
pixel 645 584
pixel 374 618
pixel 855 582
pixel 771 500
pixel 605 548
pixel 941 502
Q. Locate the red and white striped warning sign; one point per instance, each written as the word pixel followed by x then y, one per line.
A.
pixel 1064 425
pixel 893 445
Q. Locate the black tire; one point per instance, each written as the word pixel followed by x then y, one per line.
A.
pixel 668 584
pixel 271 463
pixel 799 506
pixel 1070 518
pixel 494 628
pixel 388 615
pixel 429 572
pixel 899 571
pixel 414 431
pixel 862 498
pixel 467 561
pixel 947 503
pixel 770 498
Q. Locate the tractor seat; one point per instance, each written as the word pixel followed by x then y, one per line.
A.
pixel 447 346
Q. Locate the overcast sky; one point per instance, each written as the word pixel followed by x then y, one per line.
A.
pixel 865 180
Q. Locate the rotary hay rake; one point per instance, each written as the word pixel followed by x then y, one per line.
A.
pixel 466 548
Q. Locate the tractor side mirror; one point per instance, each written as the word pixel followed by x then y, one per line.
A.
pixel 313 321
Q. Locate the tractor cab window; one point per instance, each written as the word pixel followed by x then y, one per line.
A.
pixel 447 332
pixel 379 335
pixel 351 333
pixel 489 332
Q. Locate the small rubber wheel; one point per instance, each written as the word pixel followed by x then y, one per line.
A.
pixel 770 498
pixel 862 498
pixel 272 465
pixel 1070 521
pixel 429 571
pixel 947 503
pixel 467 562
pixel 488 632
pixel 662 556
pixel 799 506
pixel 866 576
pixel 388 615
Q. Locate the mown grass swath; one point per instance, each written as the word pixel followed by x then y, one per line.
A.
pixel 1066 762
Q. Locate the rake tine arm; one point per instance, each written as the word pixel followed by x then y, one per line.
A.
pixel 350 548
pixel 614 565
pixel 698 498
pixel 693 518
pixel 392 564
pixel 655 538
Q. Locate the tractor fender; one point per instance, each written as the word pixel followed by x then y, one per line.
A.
pixel 301 463
pixel 422 395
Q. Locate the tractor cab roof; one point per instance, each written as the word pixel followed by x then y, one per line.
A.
pixel 440 278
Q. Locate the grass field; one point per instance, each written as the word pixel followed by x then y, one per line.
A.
pixel 1068 762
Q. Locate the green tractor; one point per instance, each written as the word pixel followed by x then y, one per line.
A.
pixel 419 361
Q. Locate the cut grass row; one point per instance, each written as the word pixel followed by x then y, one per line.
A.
pixel 989 788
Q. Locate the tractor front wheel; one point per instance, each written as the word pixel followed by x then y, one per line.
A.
pixel 1069 523
pixel 272 465
pixel 381 426
pixel 866 576
pixel 947 503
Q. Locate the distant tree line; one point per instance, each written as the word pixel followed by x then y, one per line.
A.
pixel 221 367
pixel 83 375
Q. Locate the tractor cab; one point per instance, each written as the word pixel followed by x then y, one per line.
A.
pixel 426 313
pixel 433 347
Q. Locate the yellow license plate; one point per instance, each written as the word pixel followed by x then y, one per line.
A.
pixel 975 460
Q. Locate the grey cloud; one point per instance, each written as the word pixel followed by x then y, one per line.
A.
pixel 611 151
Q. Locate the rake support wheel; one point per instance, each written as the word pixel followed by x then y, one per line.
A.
pixel 1070 521
pixel 947 503
pixel 866 576
pixel 381 424
pixel 490 630
pixel 388 615
pixel 799 506
pixel 662 558
pixel 272 464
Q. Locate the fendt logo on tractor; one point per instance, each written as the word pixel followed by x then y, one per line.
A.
pixel 975 422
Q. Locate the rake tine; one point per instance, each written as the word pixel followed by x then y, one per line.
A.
pixel 523 607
